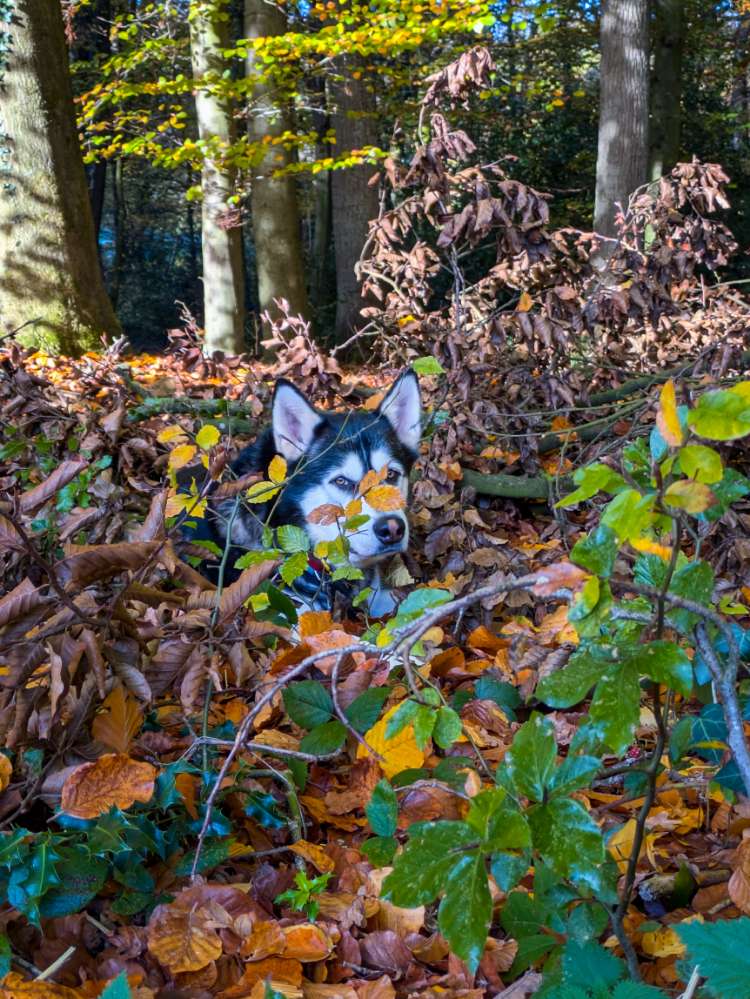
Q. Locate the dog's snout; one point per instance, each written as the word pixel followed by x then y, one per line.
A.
pixel 389 530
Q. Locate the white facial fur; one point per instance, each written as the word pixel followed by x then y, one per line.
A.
pixel 294 421
pixel 364 547
pixel 402 407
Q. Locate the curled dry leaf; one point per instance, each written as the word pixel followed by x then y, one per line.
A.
pixel 62 475
pixel 95 562
pixel 11 539
pixel 739 883
pixel 113 781
pixel 558 576
pixel 266 939
pixel 118 721
pixel 279 971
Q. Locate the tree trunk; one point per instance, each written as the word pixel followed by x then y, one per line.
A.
pixel 49 270
pixel 96 178
pixel 273 200
pixel 666 85
pixel 353 202
pixel 622 154
pixel 223 275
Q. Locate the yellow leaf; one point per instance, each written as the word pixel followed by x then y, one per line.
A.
pixel 384 498
pixel 207 437
pixel 353 508
pixel 170 434
pixel 663 942
pixel 314 854
pixel 692 497
pixel 651 548
pixel 178 502
pixel 620 844
pixel 261 492
pixel 525 302
pixel 399 753
pixel 277 469
pixel 181 455
pixel 667 418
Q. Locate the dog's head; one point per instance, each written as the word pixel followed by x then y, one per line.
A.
pixel 328 455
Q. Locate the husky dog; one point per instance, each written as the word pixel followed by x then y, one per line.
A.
pixel 327 456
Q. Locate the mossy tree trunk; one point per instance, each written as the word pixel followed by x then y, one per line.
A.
pixel 49 271
pixel 223 270
pixel 274 207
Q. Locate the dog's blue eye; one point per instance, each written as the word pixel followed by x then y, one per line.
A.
pixel 343 483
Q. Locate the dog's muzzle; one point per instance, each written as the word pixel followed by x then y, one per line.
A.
pixel 389 530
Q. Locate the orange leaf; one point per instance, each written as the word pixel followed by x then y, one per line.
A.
pixel 118 721
pixel 184 939
pixel 181 455
pixel 266 939
pixel 371 479
pixel 113 781
pixel 314 854
pixel 652 548
pixel 667 417
pixel 307 942
pixel 384 498
pixel 326 514
pixel 314 623
pixel 274 969
pixel 6 771
pixel 525 302
pixel 13 986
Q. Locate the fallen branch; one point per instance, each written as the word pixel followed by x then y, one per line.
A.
pixel 537 487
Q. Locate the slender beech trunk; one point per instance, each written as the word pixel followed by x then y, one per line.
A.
pixel 622 154
pixel 49 270
pixel 666 85
pixel 353 202
pixel 273 200
pixel 223 275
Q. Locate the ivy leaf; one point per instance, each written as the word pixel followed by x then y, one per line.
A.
pixel 722 950
pixel 421 869
pixel 307 703
pixel 466 909
pixel 530 760
pixel 382 809
pixel 324 739
pixel 567 837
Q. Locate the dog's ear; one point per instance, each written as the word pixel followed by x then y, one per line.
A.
pixel 294 421
pixel 402 407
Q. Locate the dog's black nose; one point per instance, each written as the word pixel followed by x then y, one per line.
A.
pixel 389 530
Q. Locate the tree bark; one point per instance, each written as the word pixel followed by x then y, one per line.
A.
pixel 622 153
pixel 666 85
pixel 223 274
pixel 353 202
pixel 273 200
pixel 49 268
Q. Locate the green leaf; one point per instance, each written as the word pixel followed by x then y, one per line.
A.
pixel 696 582
pixel 424 723
pixel 293 567
pixel 568 686
pixel 573 773
pixel 589 965
pixel 701 463
pixel 293 539
pixel 629 514
pixel 592 480
pixel 382 809
pixel 504 694
pixel 419 601
pixel 688 495
pixel 264 808
pixel 567 837
pixel 379 850
pixel 5 955
pixel 498 821
pixel 400 718
pixel 666 663
pixel 364 710
pixel 597 552
pixel 118 988
pixel 722 950
pixel 81 878
pixel 531 758
pixel 447 727
pixel 616 704
pixel 466 909
pixel 428 366
pixel 680 738
pixel 324 739
pixel 637 990
pixel 508 869
pixel 722 415
pixel 420 870
pixel 307 703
